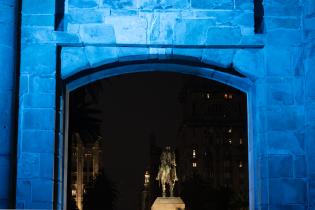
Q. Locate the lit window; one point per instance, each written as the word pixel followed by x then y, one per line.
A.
pixel 194 153
pixel 194 164
pixel 208 95
pixel 230 130
pixel 241 141
pixel 226 96
pixel 230 96
pixel 74 192
pixel 230 141
pixel 241 164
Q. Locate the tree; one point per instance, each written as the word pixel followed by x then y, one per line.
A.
pixel 84 115
pixel 199 194
pixel 100 195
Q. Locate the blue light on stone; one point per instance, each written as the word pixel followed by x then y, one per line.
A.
pixel 278 66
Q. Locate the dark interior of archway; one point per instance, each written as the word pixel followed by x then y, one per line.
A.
pixel 118 127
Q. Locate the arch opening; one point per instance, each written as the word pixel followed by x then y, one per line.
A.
pixel 241 83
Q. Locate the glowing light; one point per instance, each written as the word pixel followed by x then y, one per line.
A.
pixel 230 141
pixel 146 178
pixel 208 95
pixel 194 153
pixel 230 130
pixel 73 192
pixel 240 165
pixel 194 164
pixel 241 141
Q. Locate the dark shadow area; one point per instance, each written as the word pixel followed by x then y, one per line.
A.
pixel 259 16
pixel 118 128
pixel 59 15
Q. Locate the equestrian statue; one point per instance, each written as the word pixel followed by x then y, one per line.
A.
pixel 167 171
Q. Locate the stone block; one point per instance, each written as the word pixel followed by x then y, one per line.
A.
pixel 38 20
pixel 244 5
pixel 120 4
pixel 38 119
pixel 81 16
pixel 281 8
pixel 287 191
pixel 288 142
pixel 38 141
pixel 38 59
pixel 215 4
pixel 23 193
pixel 40 84
pixel 219 57
pixel 223 35
pixel 83 3
pixel 311 165
pixel 163 4
pixel 73 60
pixel 310 78
pixel 38 7
pixel 288 207
pixel 194 54
pixel 7 66
pixel 101 55
pixel 42 190
pixel 278 61
pixel 285 119
pixel 312 192
pixel 7 14
pixel 280 92
pixel 273 23
pixel 192 31
pixel 5 170
pixel 249 63
pixel 309 8
pixel 161 28
pixel 39 100
pixel 97 33
pixel 28 165
pixel 46 165
pixel 132 53
pixel 24 84
pixel 7 34
pixel 284 37
pixel 134 26
pixel 280 166
pixel 299 167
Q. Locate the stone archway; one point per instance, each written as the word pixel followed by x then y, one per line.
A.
pixel 227 76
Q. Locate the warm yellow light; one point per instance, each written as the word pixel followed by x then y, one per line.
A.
pixel 147 177
pixel 74 192
pixel 194 164
pixel 241 141
pixel 241 164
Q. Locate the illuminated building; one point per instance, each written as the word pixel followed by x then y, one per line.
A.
pixel 87 162
pixel 212 138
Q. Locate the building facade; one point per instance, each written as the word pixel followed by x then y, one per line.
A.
pixel 212 140
pixel 87 163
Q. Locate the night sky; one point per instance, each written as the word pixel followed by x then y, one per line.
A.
pixel 134 106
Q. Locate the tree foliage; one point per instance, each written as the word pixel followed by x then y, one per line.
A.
pixel 101 194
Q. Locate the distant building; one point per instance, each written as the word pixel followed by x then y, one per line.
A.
pixel 212 140
pixel 87 162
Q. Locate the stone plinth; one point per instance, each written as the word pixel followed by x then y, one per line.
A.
pixel 168 203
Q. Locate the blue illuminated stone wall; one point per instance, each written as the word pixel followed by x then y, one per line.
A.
pixel 279 63
pixel 7 94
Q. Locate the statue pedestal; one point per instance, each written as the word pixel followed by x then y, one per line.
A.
pixel 168 203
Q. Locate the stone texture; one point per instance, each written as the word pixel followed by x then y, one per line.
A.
pixel 280 166
pixel 97 33
pixel 293 191
pixel 215 4
pixel 134 26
